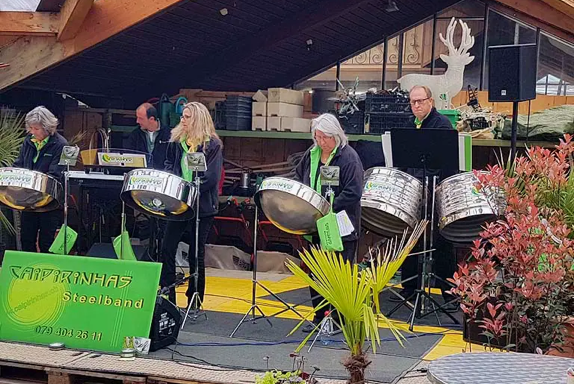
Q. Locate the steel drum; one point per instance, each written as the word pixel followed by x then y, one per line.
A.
pixel 291 206
pixel 26 190
pixel 462 210
pixel 159 194
pixel 391 201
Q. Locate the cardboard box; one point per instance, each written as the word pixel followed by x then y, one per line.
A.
pixel 260 96
pixel 258 123
pixel 259 109
pixel 273 123
pixel 284 110
pixel 295 124
pixel 284 95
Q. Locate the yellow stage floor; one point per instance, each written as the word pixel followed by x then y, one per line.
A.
pixel 230 291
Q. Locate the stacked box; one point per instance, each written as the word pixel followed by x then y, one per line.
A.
pixel 285 111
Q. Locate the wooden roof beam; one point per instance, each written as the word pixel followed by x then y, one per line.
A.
pixel 105 19
pixel 28 23
pixel 546 14
pixel 72 16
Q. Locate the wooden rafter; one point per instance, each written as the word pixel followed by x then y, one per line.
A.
pixel 105 19
pixel 72 16
pixel 29 23
pixel 544 11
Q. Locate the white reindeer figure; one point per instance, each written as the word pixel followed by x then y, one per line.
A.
pixel 445 87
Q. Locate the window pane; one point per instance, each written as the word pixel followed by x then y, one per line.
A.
pixel 367 66
pixel 555 67
pixel 417 49
pixel 471 70
pixel 466 8
pixel 324 80
pixel 503 30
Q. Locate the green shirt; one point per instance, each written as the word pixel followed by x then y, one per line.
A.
pixel 39 145
pixel 186 173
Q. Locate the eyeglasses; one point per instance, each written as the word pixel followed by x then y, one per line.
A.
pixel 420 101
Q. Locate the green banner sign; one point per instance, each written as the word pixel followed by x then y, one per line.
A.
pixel 83 302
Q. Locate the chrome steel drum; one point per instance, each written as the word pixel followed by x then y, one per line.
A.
pixel 27 190
pixel 159 194
pixel 462 210
pixel 391 201
pixel 291 206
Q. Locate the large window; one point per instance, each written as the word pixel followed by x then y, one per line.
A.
pixel 555 67
pixel 418 50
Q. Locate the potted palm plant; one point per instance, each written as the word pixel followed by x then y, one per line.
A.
pixel 11 138
pixel 354 294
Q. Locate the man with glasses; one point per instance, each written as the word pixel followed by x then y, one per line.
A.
pixel 427 117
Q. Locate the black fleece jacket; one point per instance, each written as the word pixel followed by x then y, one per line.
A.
pixel 209 190
pixel 48 158
pixel 348 193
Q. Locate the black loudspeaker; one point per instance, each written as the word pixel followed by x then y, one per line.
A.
pixel 164 325
pixel 512 72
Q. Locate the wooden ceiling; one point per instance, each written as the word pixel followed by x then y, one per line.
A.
pixel 229 45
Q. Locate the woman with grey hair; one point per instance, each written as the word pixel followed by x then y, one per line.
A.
pixel 331 147
pixel 41 152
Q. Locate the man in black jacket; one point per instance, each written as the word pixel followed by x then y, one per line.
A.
pixel 150 137
pixel 427 117
pixel 41 152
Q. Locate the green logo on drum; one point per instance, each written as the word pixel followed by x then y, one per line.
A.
pixel 146 180
pixel 155 205
pixel 14 178
pixel 283 185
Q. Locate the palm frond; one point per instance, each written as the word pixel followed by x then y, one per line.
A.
pixel 11 137
pixel 354 293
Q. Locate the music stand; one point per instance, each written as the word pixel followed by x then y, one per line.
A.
pixel 196 163
pixel 68 158
pixel 425 149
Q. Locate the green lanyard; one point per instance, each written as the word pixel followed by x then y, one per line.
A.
pixel 186 173
pixel 315 157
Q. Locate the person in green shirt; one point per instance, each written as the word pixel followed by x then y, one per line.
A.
pixel 40 152
pixel 194 133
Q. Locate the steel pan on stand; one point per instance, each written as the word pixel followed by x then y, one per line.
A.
pixel 26 190
pixel 391 201
pixel 291 206
pixel 462 210
pixel 159 194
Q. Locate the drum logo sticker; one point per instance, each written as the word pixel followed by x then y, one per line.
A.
pixel 14 178
pixel 372 187
pixel 141 181
pixel 282 185
pixel 110 158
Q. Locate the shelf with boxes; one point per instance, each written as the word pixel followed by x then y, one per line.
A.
pixel 280 110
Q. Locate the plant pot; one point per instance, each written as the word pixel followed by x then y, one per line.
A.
pixel 565 349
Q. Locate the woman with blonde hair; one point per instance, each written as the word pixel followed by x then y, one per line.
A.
pixel 194 133
pixel 41 152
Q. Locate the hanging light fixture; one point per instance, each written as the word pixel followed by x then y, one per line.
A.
pixel 391 6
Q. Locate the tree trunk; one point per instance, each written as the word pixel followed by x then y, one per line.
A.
pixel 356 365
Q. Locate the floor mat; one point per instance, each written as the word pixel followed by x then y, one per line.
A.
pixel 258 345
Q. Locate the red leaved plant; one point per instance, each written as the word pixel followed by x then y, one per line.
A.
pixel 518 285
